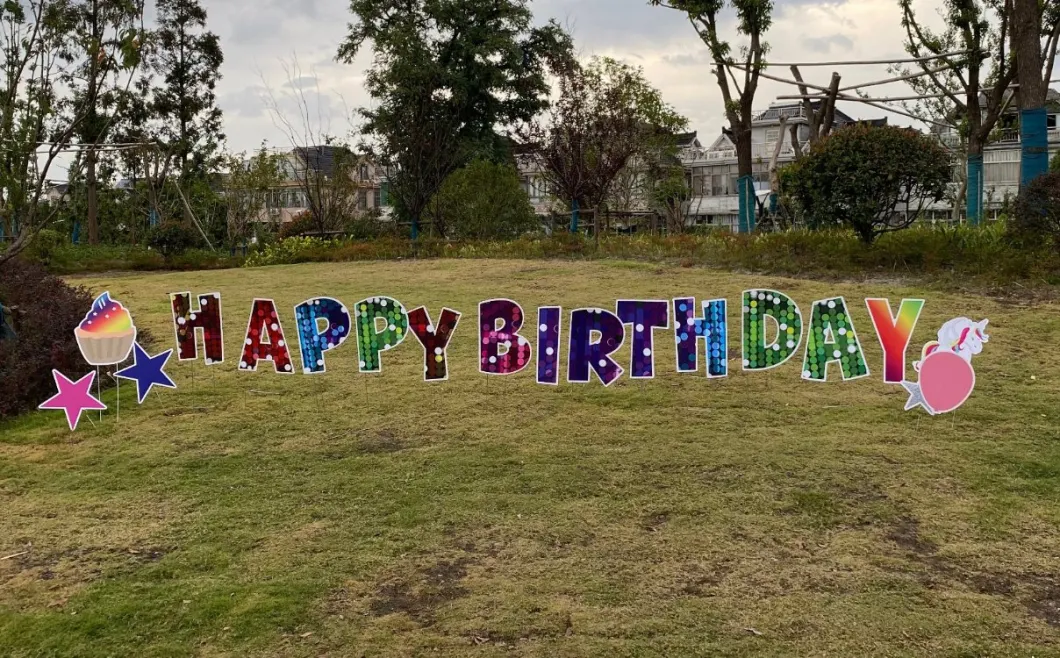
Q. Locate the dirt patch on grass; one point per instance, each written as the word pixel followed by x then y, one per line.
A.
pixel 906 533
pixel 1039 594
pixel 654 522
pixel 383 442
pixel 1045 605
pixel 698 581
pixel 420 595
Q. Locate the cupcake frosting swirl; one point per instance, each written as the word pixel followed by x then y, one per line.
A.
pixel 107 317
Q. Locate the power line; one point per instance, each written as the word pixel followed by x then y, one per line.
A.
pixel 870 61
pixel 843 97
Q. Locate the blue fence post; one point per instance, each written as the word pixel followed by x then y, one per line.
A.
pixel 574 216
pixel 75 237
pixel 974 194
pixel 415 229
pixel 1034 145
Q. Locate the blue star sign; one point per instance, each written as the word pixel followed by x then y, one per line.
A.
pixel 147 371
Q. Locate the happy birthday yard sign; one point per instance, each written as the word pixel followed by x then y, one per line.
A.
pixel 580 345
pixel 577 346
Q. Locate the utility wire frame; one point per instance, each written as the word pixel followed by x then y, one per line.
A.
pixel 845 97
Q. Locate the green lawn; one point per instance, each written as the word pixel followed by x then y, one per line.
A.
pixel 249 514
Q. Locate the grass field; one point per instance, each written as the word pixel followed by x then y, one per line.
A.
pixel 249 514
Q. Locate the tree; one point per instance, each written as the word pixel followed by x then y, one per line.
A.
pixel 246 188
pixel 188 59
pixel 669 197
pixel 483 200
pixel 970 87
pixel 325 176
pixel 39 116
pixel 754 18
pixel 606 115
pixel 320 164
pixel 446 75
pixel 100 32
pixel 870 179
pixel 1035 222
pixel 1033 21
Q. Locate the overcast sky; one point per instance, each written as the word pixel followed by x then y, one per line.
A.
pixel 260 37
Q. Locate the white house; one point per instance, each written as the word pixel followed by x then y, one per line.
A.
pixel 712 171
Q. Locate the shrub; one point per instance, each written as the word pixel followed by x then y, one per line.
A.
pixel 302 223
pixel 45 311
pixel 171 238
pixel 1035 223
pixel 858 176
pixel 482 201
pixel 45 245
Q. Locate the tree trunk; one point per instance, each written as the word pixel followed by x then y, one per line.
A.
pixel 774 173
pixel 963 193
pixel 90 184
pixel 1026 46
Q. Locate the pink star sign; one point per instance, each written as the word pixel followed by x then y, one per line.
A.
pixel 73 397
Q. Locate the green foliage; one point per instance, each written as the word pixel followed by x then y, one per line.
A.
pixel 45 245
pixel 446 74
pixel 1054 164
pixel 63 62
pixel 960 254
pixel 290 250
pixel 171 238
pixel 301 224
pixel 188 59
pixel 1035 224
pixel 371 225
pixel 246 187
pixel 858 175
pixel 482 201
pixel 74 259
pixel 668 198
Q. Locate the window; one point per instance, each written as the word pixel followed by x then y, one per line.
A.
pixel 772 135
pixel 362 199
pixel 1050 122
pixel 1001 172
pixel 364 172
pixel 377 195
pixel 700 181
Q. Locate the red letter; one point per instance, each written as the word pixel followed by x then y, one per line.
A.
pixel 265 322
pixel 207 317
pixel 434 340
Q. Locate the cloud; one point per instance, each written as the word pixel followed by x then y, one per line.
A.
pixel 302 82
pixel 824 44
pixel 261 38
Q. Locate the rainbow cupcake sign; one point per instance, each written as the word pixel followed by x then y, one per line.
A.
pixel 107 333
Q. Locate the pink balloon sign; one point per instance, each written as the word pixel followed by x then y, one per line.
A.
pixel 947 378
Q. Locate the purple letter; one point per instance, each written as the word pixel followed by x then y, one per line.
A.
pixel 584 353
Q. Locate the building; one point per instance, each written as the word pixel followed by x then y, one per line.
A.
pixel 1001 157
pixel 711 172
pixel 305 170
